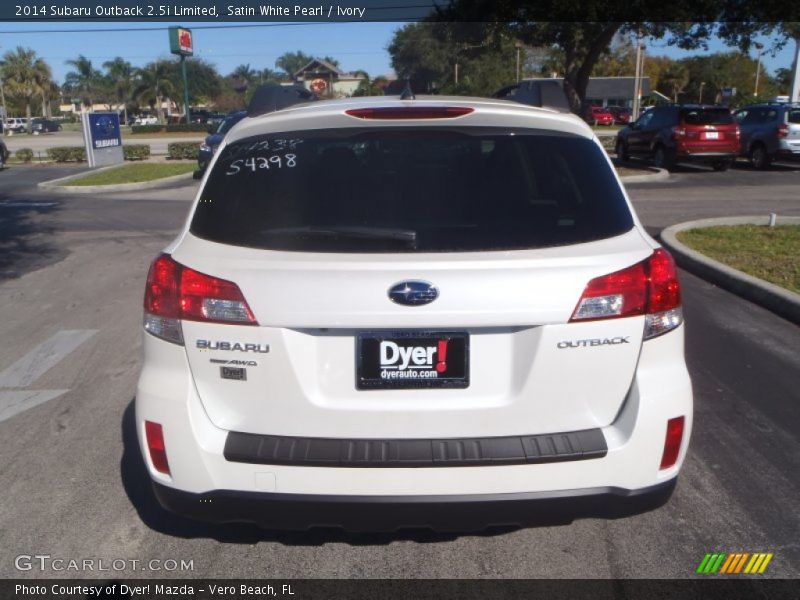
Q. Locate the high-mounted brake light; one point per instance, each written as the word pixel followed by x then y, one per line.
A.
pixel 672 442
pixel 176 293
pixel 410 112
pixel 647 288
pixel 155 445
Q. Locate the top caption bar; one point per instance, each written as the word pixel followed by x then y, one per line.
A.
pixel 221 11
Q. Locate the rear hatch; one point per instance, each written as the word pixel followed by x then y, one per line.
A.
pixel 709 130
pixel 792 129
pixel 316 228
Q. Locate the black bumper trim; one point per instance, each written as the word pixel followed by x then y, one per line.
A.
pixel 389 513
pixel 464 452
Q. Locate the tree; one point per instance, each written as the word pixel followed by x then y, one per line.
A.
pixel 291 62
pixel 25 77
pixel 204 80
pixel 120 74
pixel 152 85
pixel 368 86
pixel 85 81
pixel 675 80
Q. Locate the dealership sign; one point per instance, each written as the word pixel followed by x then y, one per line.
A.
pixel 102 138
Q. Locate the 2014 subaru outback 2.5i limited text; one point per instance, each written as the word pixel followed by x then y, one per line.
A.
pixel 439 312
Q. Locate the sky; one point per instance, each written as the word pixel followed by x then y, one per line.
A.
pixel 355 45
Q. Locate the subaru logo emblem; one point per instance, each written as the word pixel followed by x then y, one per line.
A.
pixel 413 293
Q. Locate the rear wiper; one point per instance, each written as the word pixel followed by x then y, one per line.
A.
pixel 377 233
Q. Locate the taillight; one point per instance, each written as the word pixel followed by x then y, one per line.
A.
pixel 737 132
pixel 176 293
pixel 783 130
pixel 672 442
pixel 155 445
pixel 678 133
pixel 647 288
pixel 410 112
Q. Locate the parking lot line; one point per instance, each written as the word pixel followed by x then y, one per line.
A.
pixel 42 358
pixel 17 401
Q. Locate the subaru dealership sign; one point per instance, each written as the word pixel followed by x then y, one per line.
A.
pixel 102 137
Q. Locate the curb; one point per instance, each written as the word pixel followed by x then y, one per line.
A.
pixel 656 174
pixel 56 184
pixel 772 297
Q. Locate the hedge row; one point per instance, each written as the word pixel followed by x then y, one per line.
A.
pixel 136 151
pixel 182 150
pixel 24 154
pixel 170 128
pixel 67 153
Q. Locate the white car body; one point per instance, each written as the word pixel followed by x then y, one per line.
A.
pixel 534 374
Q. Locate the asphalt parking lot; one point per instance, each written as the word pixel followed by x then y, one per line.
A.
pixel 72 270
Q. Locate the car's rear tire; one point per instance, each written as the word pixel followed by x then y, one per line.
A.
pixel 759 157
pixel 722 165
pixel 662 158
pixel 621 150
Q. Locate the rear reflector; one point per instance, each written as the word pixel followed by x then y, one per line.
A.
pixel 648 288
pixel 410 112
pixel 155 445
pixel 672 443
pixel 176 293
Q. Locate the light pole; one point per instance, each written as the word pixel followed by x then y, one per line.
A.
pixel 702 85
pixel 759 48
pixel 637 81
pixel 518 46
pixel 794 93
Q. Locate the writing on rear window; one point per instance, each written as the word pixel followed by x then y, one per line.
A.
pixel 257 163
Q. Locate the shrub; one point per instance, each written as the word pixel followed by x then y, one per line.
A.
pixel 67 153
pixel 136 151
pixel 177 150
pixel 24 154
pixel 147 128
pixel 176 127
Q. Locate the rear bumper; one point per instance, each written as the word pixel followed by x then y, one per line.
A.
pixel 389 513
pixel 688 155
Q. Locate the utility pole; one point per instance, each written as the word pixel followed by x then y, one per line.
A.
pixel 518 46
pixel 759 48
pixel 637 81
pixel 795 91
pixel 702 85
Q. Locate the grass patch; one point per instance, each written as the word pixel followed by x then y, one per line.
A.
pixel 135 173
pixel 769 253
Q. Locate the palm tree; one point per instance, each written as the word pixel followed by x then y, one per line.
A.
pixel 153 84
pixel 25 76
pixel 676 79
pixel 85 80
pixel 121 73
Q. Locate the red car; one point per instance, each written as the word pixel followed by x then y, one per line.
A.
pixel 622 115
pixel 597 115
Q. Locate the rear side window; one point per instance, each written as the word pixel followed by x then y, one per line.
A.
pixel 793 116
pixel 706 116
pixel 410 190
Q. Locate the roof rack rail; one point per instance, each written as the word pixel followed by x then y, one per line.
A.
pixel 544 93
pixel 272 96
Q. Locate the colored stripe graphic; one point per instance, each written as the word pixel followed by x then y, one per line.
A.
pixel 722 563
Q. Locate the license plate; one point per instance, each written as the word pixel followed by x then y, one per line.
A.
pixel 712 135
pixel 414 359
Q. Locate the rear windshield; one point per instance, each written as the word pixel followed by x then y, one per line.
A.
pixel 793 116
pixel 706 116
pixel 410 190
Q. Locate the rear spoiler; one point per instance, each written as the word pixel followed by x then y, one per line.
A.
pixel 272 96
pixel 543 93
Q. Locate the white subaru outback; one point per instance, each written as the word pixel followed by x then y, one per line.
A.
pixel 384 313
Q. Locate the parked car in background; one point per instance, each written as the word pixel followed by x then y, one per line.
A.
pixel 598 115
pixel 216 118
pixel 769 132
pixel 212 142
pixel 45 126
pixel 16 124
pixel 146 120
pixel 3 154
pixel 622 115
pixel 682 133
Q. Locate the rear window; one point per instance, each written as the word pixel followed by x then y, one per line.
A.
pixel 706 116
pixel 410 190
pixel 793 116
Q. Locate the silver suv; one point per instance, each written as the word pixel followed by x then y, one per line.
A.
pixel 769 132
